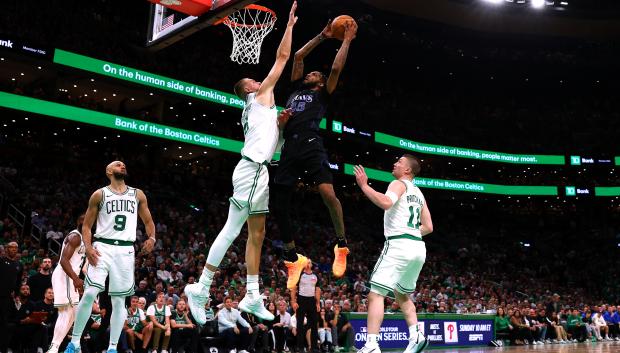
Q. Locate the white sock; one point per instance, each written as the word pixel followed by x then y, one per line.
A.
pixel 413 331
pixel 252 286
pixel 117 320
pixel 235 221
pixel 372 340
pixel 83 314
pixel 63 324
pixel 206 277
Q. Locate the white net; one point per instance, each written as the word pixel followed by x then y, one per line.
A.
pixel 249 26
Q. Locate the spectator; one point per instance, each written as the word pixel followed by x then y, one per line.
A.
pixel 29 331
pixel 560 332
pixel 600 327
pixel 184 331
pixel 159 314
pixel 171 294
pixel 523 334
pixel 41 281
pixel 325 332
pixel 229 319
pixel 259 340
pixel 502 324
pixel 342 327
pixel 11 271
pixel 136 326
pixel 576 327
pixel 163 274
pixel 612 319
pixel 281 326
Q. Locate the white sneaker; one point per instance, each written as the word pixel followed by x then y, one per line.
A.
pixel 197 297
pixel 164 351
pixel 416 344
pixel 154 351
pixel 366 349
pixel 233 351
pixel 243 351
pixel 255 306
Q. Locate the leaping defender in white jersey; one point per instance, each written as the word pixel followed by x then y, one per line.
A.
pixel 67 284
pixel 111 251
pixel 406 220
pixel 250 200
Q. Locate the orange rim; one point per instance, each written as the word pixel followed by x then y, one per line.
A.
pixel 232 23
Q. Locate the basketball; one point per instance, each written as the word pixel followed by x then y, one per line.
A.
pixel 338 26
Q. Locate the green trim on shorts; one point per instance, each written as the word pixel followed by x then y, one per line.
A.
pixel 382 286
pixel 403 289
pixel 114 242
pixel 250 160
pixel 68 288
pixel 259 212
pixel 254 183
pixel 385 249
pixel 125 293
pixel 404 236
pixel 236 203
pixel 93 284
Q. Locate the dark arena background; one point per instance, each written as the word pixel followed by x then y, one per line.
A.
pixel 511 107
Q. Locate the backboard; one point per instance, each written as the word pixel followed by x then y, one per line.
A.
pixel 167 26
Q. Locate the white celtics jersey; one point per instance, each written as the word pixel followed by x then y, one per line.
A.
pixel 77 259
pixel 404 215
pixel 260 127
pixel 118 215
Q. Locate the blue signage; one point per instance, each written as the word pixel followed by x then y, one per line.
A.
pixel 440 330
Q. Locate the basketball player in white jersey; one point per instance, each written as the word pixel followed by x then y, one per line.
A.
pixel 406 220
pixel 250 200
pixel 67 284
pixel 110 252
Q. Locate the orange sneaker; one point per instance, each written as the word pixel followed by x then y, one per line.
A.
pixel 340 261
pixel 294 270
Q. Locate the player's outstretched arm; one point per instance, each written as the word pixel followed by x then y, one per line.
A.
pixel 89 219
pixel 384 201
pixel 350 29
pixel 264 95
pixel 147 219
pixel 72 243
pixel 298 61
pixel 425 219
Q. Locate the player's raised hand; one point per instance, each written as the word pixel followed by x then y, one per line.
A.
pixel 292 19
pixel 350 30
pixel 92 255
pixel 327 31
pixel 360 175
pixel 283 117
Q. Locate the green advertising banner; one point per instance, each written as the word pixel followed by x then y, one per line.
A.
pixel 461 152
pixel 86 116
pixel 455 185
pixel 607 191
pixel 617 160
pixel 149 79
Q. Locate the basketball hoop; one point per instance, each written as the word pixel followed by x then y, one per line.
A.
pixel 249 26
